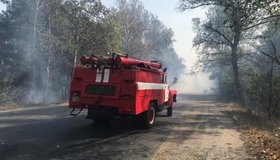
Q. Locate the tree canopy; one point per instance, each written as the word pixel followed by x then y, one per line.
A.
pixel 228 26
pixel 233 41
pixel 40 41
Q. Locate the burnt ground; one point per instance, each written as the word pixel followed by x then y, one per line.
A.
pixel 261 135
pixel 200 128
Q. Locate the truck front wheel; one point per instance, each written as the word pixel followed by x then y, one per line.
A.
pixel 169 111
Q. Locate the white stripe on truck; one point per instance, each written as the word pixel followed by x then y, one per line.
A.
pixel 145 86
pixel 156 86
pixel 98 77
pixel 106 75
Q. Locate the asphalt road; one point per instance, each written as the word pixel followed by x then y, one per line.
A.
pixel 51 133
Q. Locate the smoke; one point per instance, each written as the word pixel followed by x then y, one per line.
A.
pixel 195 84
pixel 45 82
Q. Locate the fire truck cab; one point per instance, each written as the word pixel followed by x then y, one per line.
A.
pixel 120 86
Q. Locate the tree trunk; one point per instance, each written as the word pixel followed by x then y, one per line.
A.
pixel 48 78
pixel 269 105
pixel 238 87
pixel 48 63
pixel 34 56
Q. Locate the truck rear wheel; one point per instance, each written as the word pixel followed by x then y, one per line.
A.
pixel 99 116
pixel 146 119
pixel 101 120
pixel 151 115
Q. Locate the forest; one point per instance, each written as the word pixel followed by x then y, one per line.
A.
pixel 40 41
pixel 238 44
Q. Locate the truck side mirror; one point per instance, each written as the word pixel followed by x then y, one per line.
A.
pixel 175 80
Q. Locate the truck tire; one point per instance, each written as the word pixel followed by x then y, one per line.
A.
pixel 146 119
pixel 150 116
pixel 101 120
pixel 169 111
pixel 99 116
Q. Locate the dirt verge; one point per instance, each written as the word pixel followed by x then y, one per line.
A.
pixel 205 132
pixel 261 136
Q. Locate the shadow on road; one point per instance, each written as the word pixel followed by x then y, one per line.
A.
pixel 203 116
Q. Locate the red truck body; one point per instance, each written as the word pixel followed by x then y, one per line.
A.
pixel 120 86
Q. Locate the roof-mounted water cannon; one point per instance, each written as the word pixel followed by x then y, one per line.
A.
pixel 111 61
pixel 117 60
pixel 88 60
pixel 118 54
pixel 125 61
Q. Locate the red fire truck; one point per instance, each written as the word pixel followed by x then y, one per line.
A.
pixel 119 86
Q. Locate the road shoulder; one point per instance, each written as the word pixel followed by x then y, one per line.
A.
pixel 205 132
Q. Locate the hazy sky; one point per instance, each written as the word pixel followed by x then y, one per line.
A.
pixel 2 6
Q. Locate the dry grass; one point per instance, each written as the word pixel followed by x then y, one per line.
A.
pixel 261 136
pixel 9 106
